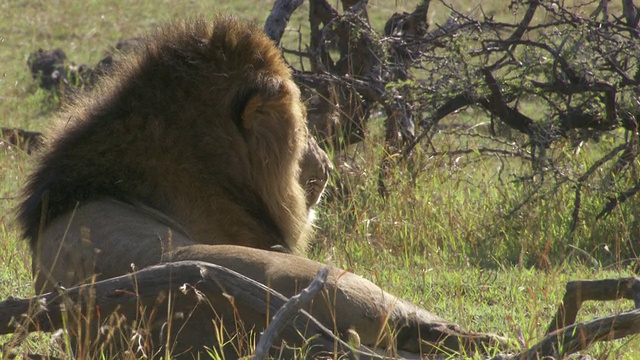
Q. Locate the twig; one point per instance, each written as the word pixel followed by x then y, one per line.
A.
pixel 584 177
pixel 480 150
pixel 287 312
pixel 613 202
pixel 526 20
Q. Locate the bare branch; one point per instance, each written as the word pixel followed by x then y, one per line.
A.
pixel 629 12
pixel 496 105
pixel 581 336
pixel 286 313
pixel 583 290
pixel 526 20
pixel 584 177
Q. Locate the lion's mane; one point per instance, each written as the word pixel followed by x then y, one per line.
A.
pixel 202 124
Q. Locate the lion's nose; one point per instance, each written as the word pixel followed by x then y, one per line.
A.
pixel 327 169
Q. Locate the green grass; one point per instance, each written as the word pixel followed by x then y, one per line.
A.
pixel 442 239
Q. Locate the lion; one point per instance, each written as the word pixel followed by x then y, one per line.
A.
pixel 196 148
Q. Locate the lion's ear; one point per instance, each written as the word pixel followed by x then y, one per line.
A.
pixel 254 100
pixel 254 105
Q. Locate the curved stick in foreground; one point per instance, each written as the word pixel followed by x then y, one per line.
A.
pixel 287 312
pixel 128 293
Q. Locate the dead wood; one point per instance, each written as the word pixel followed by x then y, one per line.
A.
pixel 581 336
pixel 564 337
pixel 279 18
pixel 287 312
pixel 583 290
pixel 128 294
pixel 26 140
pixel 615 201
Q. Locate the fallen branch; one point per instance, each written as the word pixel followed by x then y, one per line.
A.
pixel 128 293
pixel 287 312
pixel 581 336
pixel 560 342
pixel 583 290
pixel 23 139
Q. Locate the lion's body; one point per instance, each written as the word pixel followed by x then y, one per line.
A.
pixel 198 141
pixel 349 303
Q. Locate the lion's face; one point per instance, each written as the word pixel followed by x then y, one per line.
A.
pixel 315 167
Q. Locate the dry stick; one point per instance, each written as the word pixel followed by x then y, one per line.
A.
pixel 580 336
pixel 584 177
pixel 286 313
pixel 23 139
pixel 576 337
pixel 613 202
pixel 582 290
pixel 524 24
pixel 126 293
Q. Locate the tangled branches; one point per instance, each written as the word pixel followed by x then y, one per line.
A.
pixel 558 78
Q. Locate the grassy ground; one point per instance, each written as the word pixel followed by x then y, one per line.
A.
pixel 442 239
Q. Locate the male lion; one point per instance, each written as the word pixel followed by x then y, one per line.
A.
pixel 204 125
pixel 196 141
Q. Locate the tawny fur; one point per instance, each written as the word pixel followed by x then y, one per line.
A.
pixel 203 124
